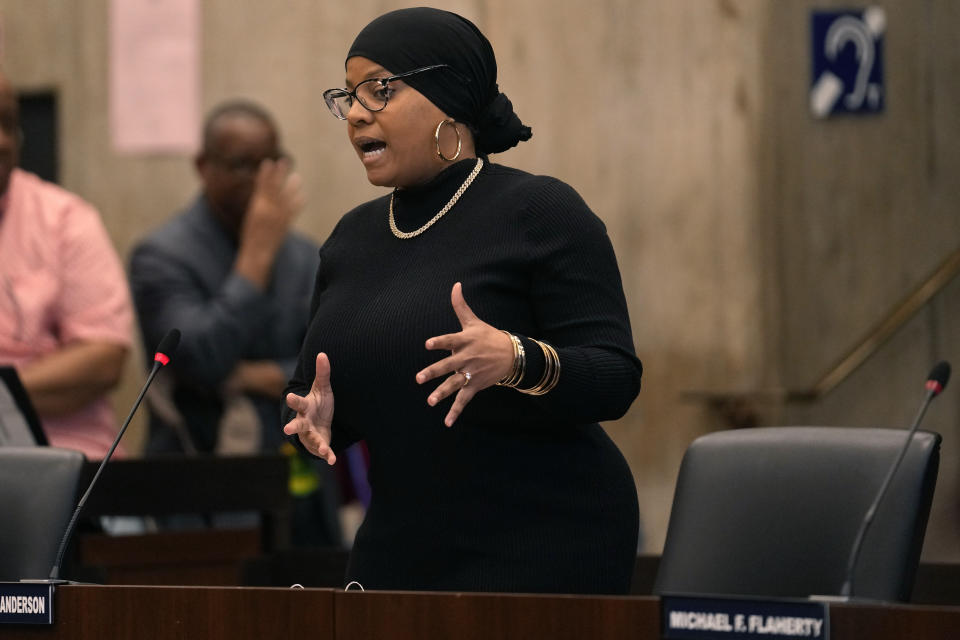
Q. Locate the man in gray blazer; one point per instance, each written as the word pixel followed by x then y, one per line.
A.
pixel 230 273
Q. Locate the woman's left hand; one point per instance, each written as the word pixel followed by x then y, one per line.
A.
pixel 480 350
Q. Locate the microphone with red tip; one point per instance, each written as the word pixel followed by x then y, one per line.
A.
pixel 938 377
pixel 166 348
pixel 165 351
pixel 936 382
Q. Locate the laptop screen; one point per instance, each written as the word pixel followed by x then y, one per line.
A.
pixel 19 424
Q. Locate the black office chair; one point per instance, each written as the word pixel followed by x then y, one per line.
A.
pixel 38 490
pixel 773 512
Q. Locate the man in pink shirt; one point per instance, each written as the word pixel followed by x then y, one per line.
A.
pixel 65 310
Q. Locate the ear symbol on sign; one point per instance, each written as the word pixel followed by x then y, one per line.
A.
pixel 850 29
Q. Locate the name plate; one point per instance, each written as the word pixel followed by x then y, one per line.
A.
pixel 26 603
pixel 728 618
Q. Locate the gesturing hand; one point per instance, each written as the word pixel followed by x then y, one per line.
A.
pixel 314 413
pixel 277 197
pixel 480 350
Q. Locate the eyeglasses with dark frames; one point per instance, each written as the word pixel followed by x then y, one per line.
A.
pixel 374 93
pixel 246 166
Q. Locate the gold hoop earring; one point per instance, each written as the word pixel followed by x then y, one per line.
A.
pixel 436 137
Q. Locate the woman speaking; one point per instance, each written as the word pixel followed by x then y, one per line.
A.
pixel 471 327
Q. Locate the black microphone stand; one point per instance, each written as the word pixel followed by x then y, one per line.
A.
pixel 936 381
pixel 167 346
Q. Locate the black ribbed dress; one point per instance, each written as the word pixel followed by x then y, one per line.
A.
pixel 523 494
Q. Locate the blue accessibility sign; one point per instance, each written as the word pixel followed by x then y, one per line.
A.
pixel 847 49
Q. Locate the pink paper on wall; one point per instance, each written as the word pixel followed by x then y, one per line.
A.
pixel 154 75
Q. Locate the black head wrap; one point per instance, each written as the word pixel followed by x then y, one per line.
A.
pixel 408 39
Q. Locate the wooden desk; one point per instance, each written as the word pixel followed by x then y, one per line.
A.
pixel 421 616
pixel 92 612
pixel 88 611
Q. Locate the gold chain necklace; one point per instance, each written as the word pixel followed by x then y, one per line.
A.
pixel 405 235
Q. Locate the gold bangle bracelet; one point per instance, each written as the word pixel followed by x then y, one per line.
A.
pixel 556 370
pixel 537 389
pixel 551 371
pixel 519 368
pixel 516 358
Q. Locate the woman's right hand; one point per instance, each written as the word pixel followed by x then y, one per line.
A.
pixel 314 413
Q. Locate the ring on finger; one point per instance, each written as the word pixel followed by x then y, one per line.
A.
pixel 466 377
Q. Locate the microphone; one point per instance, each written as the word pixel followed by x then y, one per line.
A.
pixel 165 350
pixel 936 382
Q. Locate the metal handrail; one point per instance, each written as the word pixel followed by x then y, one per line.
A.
pixel 864 349
pixel 884 330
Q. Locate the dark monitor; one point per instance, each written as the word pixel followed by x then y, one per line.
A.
pixel 38 123
pixel 19 424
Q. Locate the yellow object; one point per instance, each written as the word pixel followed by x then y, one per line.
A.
pixel 304 478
